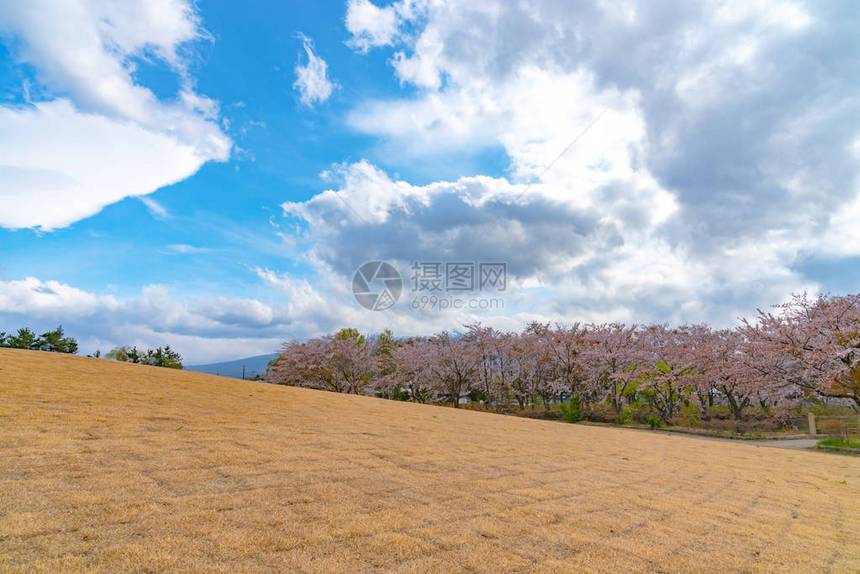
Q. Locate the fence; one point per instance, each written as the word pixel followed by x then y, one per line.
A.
pixel 845 427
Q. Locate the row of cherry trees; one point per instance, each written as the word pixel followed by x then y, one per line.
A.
pixel 806 349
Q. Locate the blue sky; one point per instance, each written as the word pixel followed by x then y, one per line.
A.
pixel 280 147
pixel 210 175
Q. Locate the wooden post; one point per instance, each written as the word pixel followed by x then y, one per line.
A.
pixel 811 423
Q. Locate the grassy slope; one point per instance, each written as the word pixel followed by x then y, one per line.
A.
pixel 123 467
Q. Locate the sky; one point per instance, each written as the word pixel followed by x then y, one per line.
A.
pixel 210 175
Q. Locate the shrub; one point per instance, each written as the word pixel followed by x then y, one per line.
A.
pixel 638 413
pixel 599 412
pixel 691 415
pixel 784 420
pixel 629 413
pixel 655 422
pixel 571 411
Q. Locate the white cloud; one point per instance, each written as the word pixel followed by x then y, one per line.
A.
pixel 717 165
pixel 60 165
pixel 32 296
pixel 157 210
pixel 370 25
pixel 185 249
pixel 108 137
pixel 600 259
pixel 312 79
pixel 202 329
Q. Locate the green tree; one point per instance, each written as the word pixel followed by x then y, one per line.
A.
pixel 135 356
pixel 55 342
pixel 385 345
pixel 158 357
pixel 118 354
pixel 349 334
pixel 164 357
pixel 24 339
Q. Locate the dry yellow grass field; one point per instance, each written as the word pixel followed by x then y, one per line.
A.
pixel 119 467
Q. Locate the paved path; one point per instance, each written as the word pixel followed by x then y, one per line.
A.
pixel 797 443
pixel 787 443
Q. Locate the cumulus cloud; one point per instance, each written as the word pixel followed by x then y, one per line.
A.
pixel 370 25
pixel 312 79
pixel 605 258
pixel 203 329
pixel 47 297
pixel 730 118
pixel 725 151
pixel 107 137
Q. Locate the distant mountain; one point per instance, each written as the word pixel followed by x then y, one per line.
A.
pixel 253 367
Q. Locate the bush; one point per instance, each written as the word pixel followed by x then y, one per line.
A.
pixel 628 414
pixel 655 422
pixel 691 415
pixel 785 420
pixel 600 412
pixel 571 411
pixel 638 413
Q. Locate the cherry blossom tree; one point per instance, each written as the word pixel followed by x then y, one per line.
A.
pixel 538 365
pixel 343 363
pixel 352 359
pixel 488 344
pixel 724 366
pixel 566 346
pixel 666 360
pixel 807 348
pixel 515 367
pixel 811 343
pixel 509 362
pixel 413 359
pixel 454 362
pixel 611 360
pixel 305 365
pixel 699 342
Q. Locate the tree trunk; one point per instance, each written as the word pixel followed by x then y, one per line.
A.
pixel 733 404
